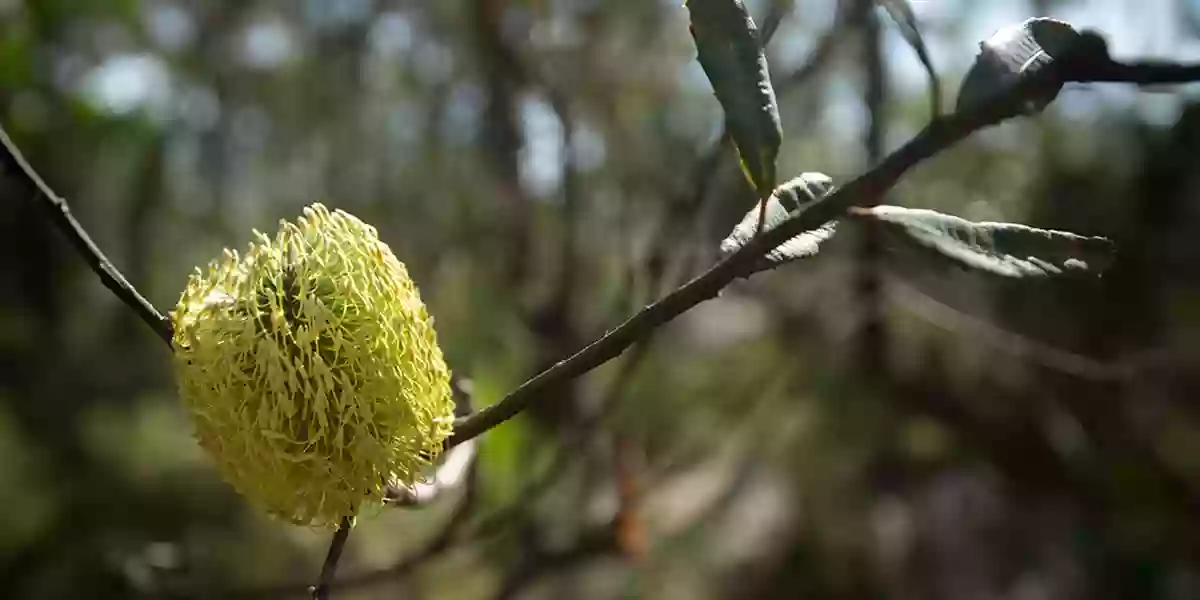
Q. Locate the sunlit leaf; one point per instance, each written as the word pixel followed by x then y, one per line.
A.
pixel 1012 53
pixel 781 206
pixel 902 13
pixel 729 50
pixel 1006 249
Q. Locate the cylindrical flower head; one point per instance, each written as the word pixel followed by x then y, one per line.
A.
pixel 311 369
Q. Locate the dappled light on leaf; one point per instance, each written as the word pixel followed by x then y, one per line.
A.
pixel 1012 53
pixel 1005 249
pixel 781 206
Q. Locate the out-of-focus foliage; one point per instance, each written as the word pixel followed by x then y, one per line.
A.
pixel 902 13
pixel 544 168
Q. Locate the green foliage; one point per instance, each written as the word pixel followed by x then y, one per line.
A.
pixel 504 460
pixel 27 496
pixel 510 455
pixel 401 115
pixel 15 62
pixel 1005 249
pixel 728 48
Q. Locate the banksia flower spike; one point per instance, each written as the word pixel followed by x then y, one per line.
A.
pixel 311 369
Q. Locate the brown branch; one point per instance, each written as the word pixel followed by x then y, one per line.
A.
pixel 865 190
pixel 321 590
pixel 14 165
pixel 1139 73
pixel 444 540
pixel 409 496
pixel 455 531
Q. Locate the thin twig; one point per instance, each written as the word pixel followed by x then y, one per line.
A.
pixel 455 531
pixel 329 569
pixel 916 302
pixel 865 190
pixel 821 52
pixel 14 165
pixel 904 18
pixel 779 10
pixel 446 537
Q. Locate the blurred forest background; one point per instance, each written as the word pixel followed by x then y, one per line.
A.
pixel 861 425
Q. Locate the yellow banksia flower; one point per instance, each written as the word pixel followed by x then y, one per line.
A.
pixel 311 369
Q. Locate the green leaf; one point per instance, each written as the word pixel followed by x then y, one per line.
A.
pixel 781 206
pixel 729 50
pixel 902 13
pixel 1006 249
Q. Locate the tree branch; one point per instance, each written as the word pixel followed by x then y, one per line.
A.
pixel 445 539
pixel 13 164
pixel 321 590
pixel 865 190
pixel 1140 73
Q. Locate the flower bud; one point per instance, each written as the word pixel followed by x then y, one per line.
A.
pixel 311 369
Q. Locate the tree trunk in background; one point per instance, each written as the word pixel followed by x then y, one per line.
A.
pixel 871 345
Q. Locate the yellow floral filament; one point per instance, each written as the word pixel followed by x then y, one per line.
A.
pixel 311 369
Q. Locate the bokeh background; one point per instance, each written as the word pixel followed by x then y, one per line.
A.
pixel 866 424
